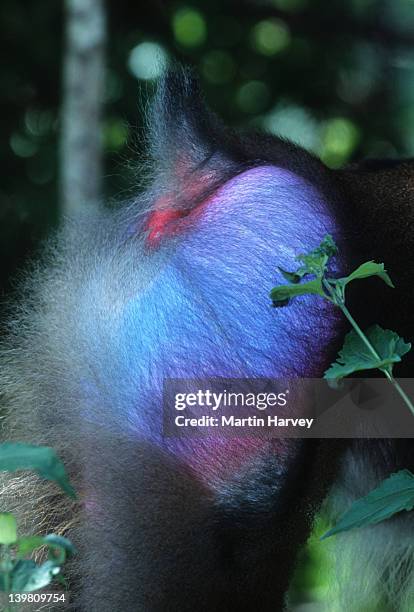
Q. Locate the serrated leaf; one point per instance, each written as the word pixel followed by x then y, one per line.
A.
pixel 315 261
pixel 8 528
pixel 393 495
pixel 17 456
pixel 355 355
pixel 369 268
pixel 281 293
pixel 328 246
pixel 312 265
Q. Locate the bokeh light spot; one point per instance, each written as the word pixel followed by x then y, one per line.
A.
pixel 189 27
pixel 38 122
pixel 294 123
pixel 147 60
pixel 359 75
pixel 253 97
pixel 22 146
pixel 270 36
pixel 339 139
pixel 115 134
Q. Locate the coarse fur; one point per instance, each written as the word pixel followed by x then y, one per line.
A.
pixel 175 284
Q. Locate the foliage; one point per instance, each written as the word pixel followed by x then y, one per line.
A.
pixel 393 495
pixel 375 348
pixel 17 456
pixel 18 574
pixel 355 356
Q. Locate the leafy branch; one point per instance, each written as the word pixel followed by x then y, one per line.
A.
pixel 18 574
pixel 376 348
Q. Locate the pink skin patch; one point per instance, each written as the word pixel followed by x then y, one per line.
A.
pixel 158 224
pixel 167 220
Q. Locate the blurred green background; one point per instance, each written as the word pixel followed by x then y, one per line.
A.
pixel 337 77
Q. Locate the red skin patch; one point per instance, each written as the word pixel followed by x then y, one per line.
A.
pixel 166 220
pixel 161 221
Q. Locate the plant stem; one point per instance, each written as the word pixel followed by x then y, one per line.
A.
pixel 6 558
pixel 402 393
pixel 339 301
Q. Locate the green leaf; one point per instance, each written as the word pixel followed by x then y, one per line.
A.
pixel 20 575
pixel 42 459
pixel 8 528
pixel 27 544
pixel 281 293
pixel 27 576
pixel 56 544
pixel 291 277
pixel 393 495
pixel 315 261
pixel 328 246
pixel 369 268
pixel 312 263
pixel 280 303
pixel 355 355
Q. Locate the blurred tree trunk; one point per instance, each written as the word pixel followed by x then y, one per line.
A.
pixel 83 85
